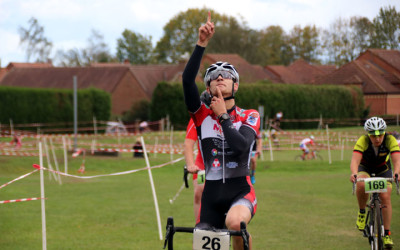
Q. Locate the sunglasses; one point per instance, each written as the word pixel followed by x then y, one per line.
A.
pixel 224 74
pixel 377 132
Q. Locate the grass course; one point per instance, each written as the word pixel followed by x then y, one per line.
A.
pixel 301 205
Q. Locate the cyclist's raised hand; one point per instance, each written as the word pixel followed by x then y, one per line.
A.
pixel 206 32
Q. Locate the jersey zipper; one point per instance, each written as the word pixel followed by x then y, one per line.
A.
pixel 223 160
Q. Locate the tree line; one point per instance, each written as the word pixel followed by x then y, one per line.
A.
pixel 341 43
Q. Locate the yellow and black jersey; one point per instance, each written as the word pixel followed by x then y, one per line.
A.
pixel 372 160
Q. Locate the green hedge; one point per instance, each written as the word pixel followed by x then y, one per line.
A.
pixel 34 105
pixel 295 101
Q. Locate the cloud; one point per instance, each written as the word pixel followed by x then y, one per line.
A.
pixel 9 48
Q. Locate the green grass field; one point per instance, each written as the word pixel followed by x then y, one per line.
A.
pixel 301 205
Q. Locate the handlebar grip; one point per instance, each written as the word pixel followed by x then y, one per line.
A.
pixel 185 175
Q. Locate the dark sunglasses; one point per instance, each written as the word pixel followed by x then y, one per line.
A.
pixel 224 74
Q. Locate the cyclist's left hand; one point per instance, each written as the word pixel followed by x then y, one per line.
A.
pixel 353 178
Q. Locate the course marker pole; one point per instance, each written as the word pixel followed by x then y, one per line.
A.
pixel 270 145
pixel 152 188
pixel 44 242
pixel 329 147
pixel 48 160
pixel 171 140
pixel 65 155
pixel 55 159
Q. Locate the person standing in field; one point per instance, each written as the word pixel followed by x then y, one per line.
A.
pixel 194 166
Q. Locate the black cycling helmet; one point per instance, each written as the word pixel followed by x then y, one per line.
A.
pixel 205 97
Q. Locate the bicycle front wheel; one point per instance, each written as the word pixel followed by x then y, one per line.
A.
pixel 378 226
pixel 318 157
pixel 298 158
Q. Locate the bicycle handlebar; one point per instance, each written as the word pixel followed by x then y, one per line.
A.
pixel 171 229
pixel 185 176
pixel 395 179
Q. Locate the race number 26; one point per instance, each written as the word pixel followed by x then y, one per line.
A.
pixel 210 240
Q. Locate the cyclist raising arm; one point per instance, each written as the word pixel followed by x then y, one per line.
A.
pixel 371 155
pixel 226 134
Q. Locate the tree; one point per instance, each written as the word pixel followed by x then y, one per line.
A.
pixel 136 48
pixel 180 34
pixel 305 43
pixel 346 39
pixel 96 51
pixel 387 29
pixel 34 41
pixel 274 46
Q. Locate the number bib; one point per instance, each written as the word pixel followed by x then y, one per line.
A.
pixel 203 239
pixel 201 176
pixel 375 185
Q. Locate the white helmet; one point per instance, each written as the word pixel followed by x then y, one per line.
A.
pixel 375 126
pixel 312 137
pixel 215 70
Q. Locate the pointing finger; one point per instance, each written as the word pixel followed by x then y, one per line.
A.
pixel 219 93
pixel 209 17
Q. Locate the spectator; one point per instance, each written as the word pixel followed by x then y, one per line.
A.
pixel 255 153
pixel 143 126
pixel 17 140
pixel 278 119
pixel 138 149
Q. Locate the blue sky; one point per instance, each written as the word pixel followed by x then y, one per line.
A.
pixel 68 23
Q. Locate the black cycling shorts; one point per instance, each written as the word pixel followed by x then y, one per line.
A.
pixel 219 197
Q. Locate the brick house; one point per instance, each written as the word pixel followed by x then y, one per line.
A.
pixel 299 72
pixel 126 83
pixel 377 73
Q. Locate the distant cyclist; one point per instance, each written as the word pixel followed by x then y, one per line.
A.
pixel 304 144
pixel 373 154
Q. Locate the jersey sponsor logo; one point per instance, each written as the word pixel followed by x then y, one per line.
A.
pixel 214 152
pixel 232 164
pixel 382 154
pixel 217 128
pixel 216 163
pixel 253 118
pixel 210 129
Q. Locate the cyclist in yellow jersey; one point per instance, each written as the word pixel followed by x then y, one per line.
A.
pixel 373 154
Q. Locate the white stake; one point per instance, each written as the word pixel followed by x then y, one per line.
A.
pixel 177 194
pixel 44 242
pixel 155 147
pixel 329 147
pixel 152 188
pixel 48 160
pixel 342 149
pixel 55 160
pixel 171 140
pixel 65 155
pixel 270 145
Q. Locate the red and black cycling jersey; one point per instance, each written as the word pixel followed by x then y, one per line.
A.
pixel 219 157
pixel 225 147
